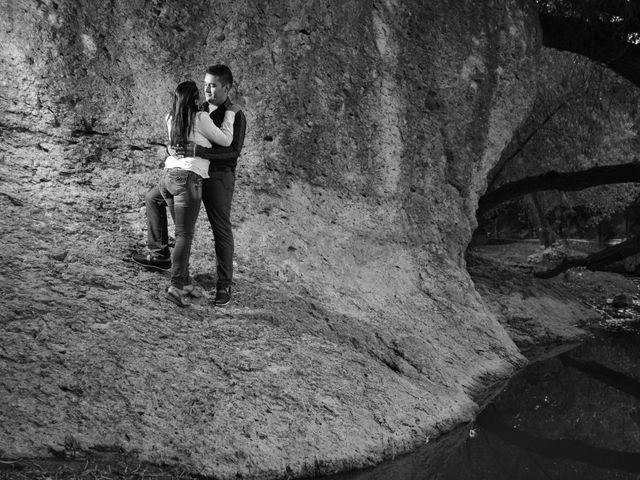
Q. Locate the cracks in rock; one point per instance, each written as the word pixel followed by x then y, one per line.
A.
pixel 51 137
pixel 222 368
pixel 389 362
pixel 372 344
pixel 87 132
pixel 149 146
pixel 15 201
pixel 399 362
pixel 359 343
pixel 72 389
pixel 404 357
pixel 59 137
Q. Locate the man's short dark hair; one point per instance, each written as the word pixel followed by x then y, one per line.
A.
pixel 222 72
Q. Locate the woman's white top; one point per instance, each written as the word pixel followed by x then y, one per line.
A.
pixel 204 133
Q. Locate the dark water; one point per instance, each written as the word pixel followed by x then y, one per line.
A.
pixel 575 416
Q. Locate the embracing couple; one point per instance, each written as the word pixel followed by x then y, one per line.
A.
pixel 205 141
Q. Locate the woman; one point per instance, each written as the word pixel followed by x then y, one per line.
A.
pixel 181 181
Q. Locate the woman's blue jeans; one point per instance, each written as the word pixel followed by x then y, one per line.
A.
pixel 182 191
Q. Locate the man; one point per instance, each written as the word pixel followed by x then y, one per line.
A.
pixel 217 190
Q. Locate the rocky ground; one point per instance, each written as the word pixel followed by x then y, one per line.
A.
pixel 542 316
pixel 95 362
pixel 545 316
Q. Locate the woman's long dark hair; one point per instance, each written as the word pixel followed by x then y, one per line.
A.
pixel 183 111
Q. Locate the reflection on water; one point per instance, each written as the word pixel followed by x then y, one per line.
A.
pixel 575 416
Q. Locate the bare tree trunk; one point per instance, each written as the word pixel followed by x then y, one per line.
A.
pixel 546 235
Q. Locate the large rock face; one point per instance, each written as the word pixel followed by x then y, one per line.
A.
pixel 356 333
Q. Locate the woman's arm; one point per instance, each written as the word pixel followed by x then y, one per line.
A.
pixel 168 124
pixel 220 136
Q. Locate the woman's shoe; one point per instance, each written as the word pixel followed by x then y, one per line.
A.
pixel 178 297
pixel 153 260
pixel 193 291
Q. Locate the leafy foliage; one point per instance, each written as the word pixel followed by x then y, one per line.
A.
pixel 606 31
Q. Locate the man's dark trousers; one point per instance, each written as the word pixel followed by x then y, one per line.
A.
pixel 217 194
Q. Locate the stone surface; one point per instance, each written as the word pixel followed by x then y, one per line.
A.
pixel 546 317
pixel 622 300
pixel 356 332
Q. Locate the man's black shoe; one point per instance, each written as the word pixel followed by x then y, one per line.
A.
pixel 152 260
pixel 223 297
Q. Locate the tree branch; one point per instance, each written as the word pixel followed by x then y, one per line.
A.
pixel 596 260
pixel 503 162
pixel 569 181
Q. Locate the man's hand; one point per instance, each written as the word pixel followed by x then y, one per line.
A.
pixel 175 151
pixel 182 150
pixel 234 108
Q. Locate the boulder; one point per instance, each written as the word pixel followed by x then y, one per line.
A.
pixel 622 300
pixel 356 332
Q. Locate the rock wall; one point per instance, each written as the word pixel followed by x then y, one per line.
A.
pixel 356 333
